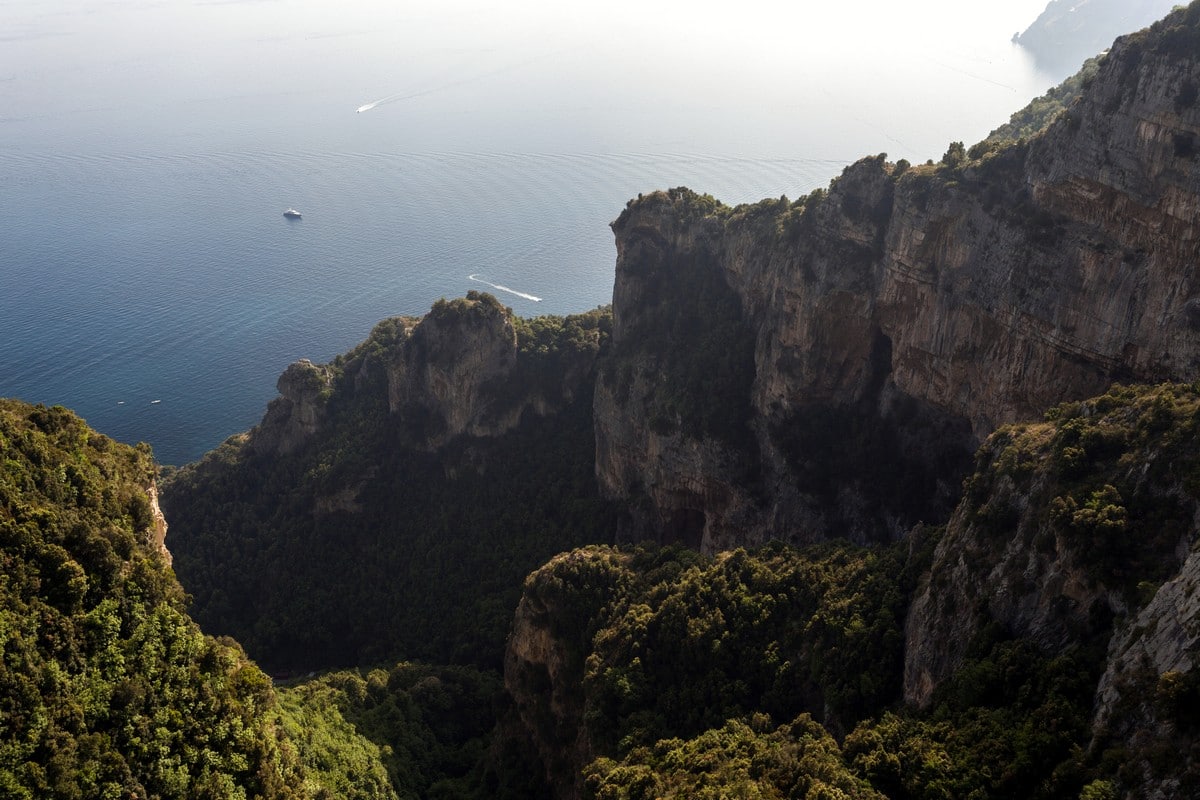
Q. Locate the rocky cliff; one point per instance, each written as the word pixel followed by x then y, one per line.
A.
pixel 867 338
pixel 1049 632
pixel 1067 525
pixel 445 375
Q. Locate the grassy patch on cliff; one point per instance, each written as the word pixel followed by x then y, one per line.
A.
pixel 1041 111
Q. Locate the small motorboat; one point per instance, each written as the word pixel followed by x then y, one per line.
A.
pixel 292 213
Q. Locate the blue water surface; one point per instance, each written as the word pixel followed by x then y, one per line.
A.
pixel 149 281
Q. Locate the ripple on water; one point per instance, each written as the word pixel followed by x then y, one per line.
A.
pixel 175 276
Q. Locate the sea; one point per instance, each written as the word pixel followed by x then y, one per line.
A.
pixel 148 277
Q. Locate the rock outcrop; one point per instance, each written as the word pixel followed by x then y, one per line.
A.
pixel 294 416
pixel 158 531
pixel 392 500
pixel 448 368
pixel 544 665
pixel 891 323
pixel 457 371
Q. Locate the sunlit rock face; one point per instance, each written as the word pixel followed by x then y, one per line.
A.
pixel 294 416
pixel 446 367
pixel 883 328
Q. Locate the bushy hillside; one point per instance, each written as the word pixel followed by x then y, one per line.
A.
pixel 107 688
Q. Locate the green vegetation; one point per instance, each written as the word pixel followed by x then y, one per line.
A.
pixel 736 760
pixel 669 643
pixel 703 675
pixel 107 688
pixel 781 632
pixel 1178 35
pixel 360 549
pixel 694 674
pixel 1012 722
pixel 1041 111
pixel 690 666
pixel 1122 525
pixel 409 732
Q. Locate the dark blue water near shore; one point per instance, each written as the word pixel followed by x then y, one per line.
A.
pixel 149 281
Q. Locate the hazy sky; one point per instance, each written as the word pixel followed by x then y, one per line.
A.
pixel 537 74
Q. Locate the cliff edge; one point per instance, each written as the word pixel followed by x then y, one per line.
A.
pixel 864 340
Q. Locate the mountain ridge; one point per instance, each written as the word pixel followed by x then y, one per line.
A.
pixel 917 308
pixel 770 377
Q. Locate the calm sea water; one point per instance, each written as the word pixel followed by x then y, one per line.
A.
pixel 149 281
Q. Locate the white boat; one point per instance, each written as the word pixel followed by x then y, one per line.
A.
pixel 292 213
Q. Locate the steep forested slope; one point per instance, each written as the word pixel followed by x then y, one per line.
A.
pixel 392 501
pixel 792 371
pixel 107 688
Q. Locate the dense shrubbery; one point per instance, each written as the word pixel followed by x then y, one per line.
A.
pixel 1011 723
pixel 669 643
pixel 781 631
pixel 411 731
pixel 1123 525
pixel 741 760
pixel 694 661
pixel 107 688
pixel 689 663
pixel 1041 111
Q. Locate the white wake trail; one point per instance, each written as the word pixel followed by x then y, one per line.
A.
pixel 441 87
pixel 500 288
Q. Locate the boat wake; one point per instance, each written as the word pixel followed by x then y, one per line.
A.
pixel 500 288
pixel 410 95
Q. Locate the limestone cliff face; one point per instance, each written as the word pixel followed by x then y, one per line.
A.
pixel 544 662
pixel 900 317
pixel 158 533
pixel 1146 701
pixel 541 676
pixel 297 413
pixel 449 365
